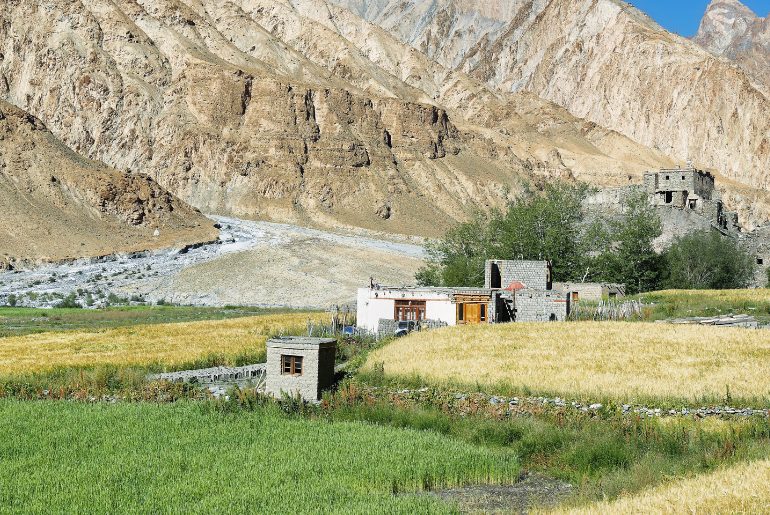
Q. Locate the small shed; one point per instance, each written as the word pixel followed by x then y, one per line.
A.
pixel 300 366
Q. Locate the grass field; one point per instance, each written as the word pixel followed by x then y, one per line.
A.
pixel 691 303
pixel 184 458
pixel 20 321
pixel 743 488
pixel 623 361
pixel 163 345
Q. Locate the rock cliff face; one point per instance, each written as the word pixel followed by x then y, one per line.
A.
pixel 604 61
pixel 58 205
pixel 291 110
pixel 730 29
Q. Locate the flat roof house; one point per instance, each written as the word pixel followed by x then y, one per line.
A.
pixel 513 291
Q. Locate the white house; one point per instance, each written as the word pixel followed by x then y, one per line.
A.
pixel 451 306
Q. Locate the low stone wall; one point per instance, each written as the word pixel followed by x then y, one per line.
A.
pixel 215 375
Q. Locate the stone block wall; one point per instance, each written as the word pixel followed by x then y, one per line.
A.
pixel 540 306
pixel 533 274
pixel 591 291
pixel 318 356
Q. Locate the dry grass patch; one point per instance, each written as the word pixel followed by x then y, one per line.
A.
pixel 754 295
pixel 166 344
pixel 741 489
pixel 597 359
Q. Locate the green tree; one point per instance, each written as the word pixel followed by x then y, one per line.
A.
pixel 547 226
pixel 458 258
pixel 707 260
pixel 540 226
pixel 629 255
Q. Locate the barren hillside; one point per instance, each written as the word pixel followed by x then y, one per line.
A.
pixel 290 110
pixel 602 60
pixel 58 205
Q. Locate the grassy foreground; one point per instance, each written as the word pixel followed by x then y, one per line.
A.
pixel 167 345
pixel 183 458
pixel 622 361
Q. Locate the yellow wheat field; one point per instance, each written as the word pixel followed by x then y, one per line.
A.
pixel 741 489
pixel 598 359
pixel 167 344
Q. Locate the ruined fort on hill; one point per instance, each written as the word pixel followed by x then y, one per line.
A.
pixel 688 199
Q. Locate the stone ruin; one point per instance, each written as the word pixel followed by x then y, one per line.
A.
pixel 689 191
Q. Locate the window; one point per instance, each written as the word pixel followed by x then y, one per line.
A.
pixel 575 296
pixel 409 310
pixel 496 279
pixel 760 261
pixel 291 365
pixel 669 197
pixel 667 177
pixel 693 204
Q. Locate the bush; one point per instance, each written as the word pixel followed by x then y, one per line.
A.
pixel 70 301
pixel 707 261
pixel 12 300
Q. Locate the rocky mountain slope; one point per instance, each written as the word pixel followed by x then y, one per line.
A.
pixel 58 205
pixel 291 110
pixel 602 60
pixel 730 29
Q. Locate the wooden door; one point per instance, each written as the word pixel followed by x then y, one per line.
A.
pixel 473 313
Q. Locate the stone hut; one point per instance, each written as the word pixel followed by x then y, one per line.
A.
pixel 300 366
pixel 693 190
pixel 500 273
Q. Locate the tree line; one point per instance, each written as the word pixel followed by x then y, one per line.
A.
pixel 551 225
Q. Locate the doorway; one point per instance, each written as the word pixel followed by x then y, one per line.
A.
pixel 471 313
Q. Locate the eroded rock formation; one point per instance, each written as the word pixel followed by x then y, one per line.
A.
pixel 58 205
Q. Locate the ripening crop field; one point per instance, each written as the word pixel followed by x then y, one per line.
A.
pixel 623 361
pixel 743 488
pixel 155 344
pixel 63 457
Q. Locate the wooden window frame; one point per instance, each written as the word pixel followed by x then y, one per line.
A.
pixel 416 308
pixel 292 365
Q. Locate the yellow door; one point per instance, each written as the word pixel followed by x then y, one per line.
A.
pixel 473 313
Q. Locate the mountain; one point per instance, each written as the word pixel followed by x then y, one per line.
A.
pixel 292 110
pixel 730 29
pixel 604 61
pixel 58 205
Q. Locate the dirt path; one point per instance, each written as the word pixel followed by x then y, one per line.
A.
pixel 254 263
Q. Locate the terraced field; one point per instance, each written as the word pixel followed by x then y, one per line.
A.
pixel 621 361
pixel 743 488
pixel 164 345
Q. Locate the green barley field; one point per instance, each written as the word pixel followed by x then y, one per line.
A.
pixel 69 457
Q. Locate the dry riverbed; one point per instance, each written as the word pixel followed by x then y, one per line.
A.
pixel 253 263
